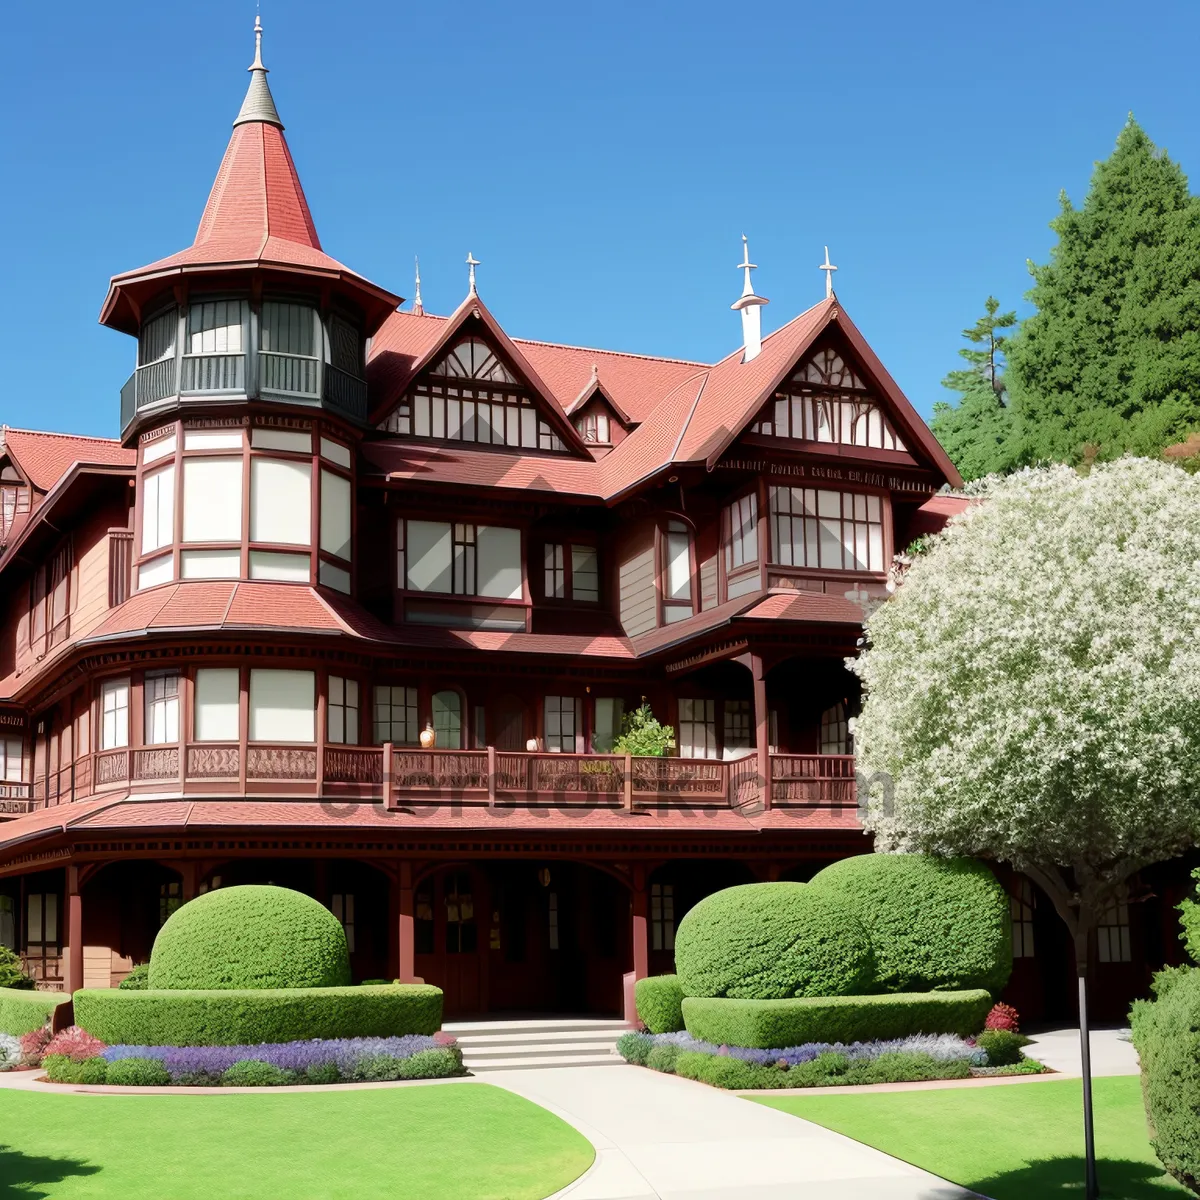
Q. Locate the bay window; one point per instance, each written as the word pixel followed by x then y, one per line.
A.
pixel 114 714
pixel 831 530
pixel 395 714
pixel 212 500
pixel 741 546
pixel 282 705
pixel 161 693
pixel 335 515
pixel 217 700
pixel 341 711
pixel 280 501
pixel 677 572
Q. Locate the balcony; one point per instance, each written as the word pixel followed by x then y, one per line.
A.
pixel 405 777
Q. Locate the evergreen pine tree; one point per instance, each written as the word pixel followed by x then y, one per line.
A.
pixel 977 431
pixel 1110 361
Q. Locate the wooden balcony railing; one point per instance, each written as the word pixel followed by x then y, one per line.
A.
pixel 402 776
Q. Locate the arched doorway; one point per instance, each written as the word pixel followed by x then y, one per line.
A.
pixel 523 937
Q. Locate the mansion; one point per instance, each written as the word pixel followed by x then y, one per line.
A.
pixel 360 598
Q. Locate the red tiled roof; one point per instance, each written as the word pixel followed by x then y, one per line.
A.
pixel 45 458
pixel 816 607
pixel 933 515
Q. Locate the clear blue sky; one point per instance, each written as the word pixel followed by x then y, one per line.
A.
pixel 601 159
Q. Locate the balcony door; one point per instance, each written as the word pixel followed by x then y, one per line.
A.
pixel 509 723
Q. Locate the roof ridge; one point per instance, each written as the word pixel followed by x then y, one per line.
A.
pixel 75 437
pixel 683 362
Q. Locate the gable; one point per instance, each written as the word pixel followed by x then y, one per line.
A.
pixel 468 393
pixel 826 400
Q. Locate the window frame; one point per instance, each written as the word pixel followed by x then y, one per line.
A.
pixel 567 548
pixel 411 702
pixel 169 703
pixel 803 513
pixel 114 686
pixel 344 707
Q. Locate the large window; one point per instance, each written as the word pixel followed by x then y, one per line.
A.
pixel 282 706
pixel 825 401
pixel 212 499
pixel 158 509
pixel 396 716
pixel 447 719
pixel 697 728
pixel 161 692
pixel 217 700
pixel 472 397
pixel 562 724
pixel 738 727
pixel 341 710
pixel 840 531
pixel 835 730
pixel 280 501
pixel 114 714
pixel 459 559
pixel 741 545
pixel 12 760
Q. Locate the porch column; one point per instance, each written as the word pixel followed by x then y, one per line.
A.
pixel 187 879
pixel 762 726
pixel 74 976
pixel 405 929
pixel 641 945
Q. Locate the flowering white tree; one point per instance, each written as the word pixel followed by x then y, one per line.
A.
pixel 1032 691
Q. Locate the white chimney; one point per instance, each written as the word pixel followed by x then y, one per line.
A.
pixel 750 307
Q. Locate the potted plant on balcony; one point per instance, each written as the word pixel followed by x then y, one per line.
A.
pixel 643 736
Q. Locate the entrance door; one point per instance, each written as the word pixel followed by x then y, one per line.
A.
pixel 510 724
pixel 447 938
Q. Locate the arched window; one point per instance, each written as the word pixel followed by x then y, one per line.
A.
pixel 835 730
pixel 447 719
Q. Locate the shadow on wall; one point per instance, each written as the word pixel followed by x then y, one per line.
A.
pixel 1120 1178
pixel 26 1175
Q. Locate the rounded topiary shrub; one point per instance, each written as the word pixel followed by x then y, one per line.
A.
pixel 250 937
pixel 137 1072
pixel 935 924
pixel 770 941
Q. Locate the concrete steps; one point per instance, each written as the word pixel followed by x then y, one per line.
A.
pixel 538 1043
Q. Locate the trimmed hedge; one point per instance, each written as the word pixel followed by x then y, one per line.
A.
pixel 659 1001
pixel 1166 1033
pixel 138 980
pixel 222 1017
pixel 1190 920
pixel 250 937
pixel 768 1024
pixel 770 941
pixel 935 924
pixel 22 1011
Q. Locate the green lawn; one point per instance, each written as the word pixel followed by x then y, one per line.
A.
pixel 1011 1142
pixel 447 1142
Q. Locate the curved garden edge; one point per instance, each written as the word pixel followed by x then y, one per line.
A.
pixel 919 1085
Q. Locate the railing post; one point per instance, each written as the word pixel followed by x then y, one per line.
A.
pixel 387 774
pixel 491 772
pixel 629 783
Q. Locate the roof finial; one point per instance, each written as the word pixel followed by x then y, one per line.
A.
pixel 829 269
pixel 258 104
pixel 472 263
pixel 418 308
pixel 750 306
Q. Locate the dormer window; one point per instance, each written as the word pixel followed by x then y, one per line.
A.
pixel 595 428
pixel 14 499
pixel 450 405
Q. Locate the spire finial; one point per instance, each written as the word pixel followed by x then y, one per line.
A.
pixel 829 269
pixel 750 306
pixel 418 308
pixel 257 64
pixel 747 266
pixel 472 263
pixel 258 104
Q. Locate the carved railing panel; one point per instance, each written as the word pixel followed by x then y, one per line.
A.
pixel 597 773
pixel 439 770
pixel 157 762
pixel 695 777
pixel 814 779
pixel 281 762
pixel 212 762
pixel 348 764
pixel 112 766
pixel 745 787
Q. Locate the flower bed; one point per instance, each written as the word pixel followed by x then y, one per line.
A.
pixel 820 1064
pixel 320 1061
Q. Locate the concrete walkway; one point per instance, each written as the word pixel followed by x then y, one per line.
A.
pixel 658 1137
pixel 1112 1051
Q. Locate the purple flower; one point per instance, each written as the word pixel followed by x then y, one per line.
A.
pixel 944 1047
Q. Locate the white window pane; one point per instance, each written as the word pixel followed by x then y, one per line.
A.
pixel 679 569
pixel 290 568
pixel 334 577
pixel 210 564
pixel 212 500
pixel 217 697
pixel 153 451
pixel 114 707
pixel 498 562
pixel 282 706
pixel 281 439
pixel 158 509
pixel 335 514
pixel 280 501
pixel 200 440
pixel 156 571
pixel 335 452
pixel 585 573
pixel 429 555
